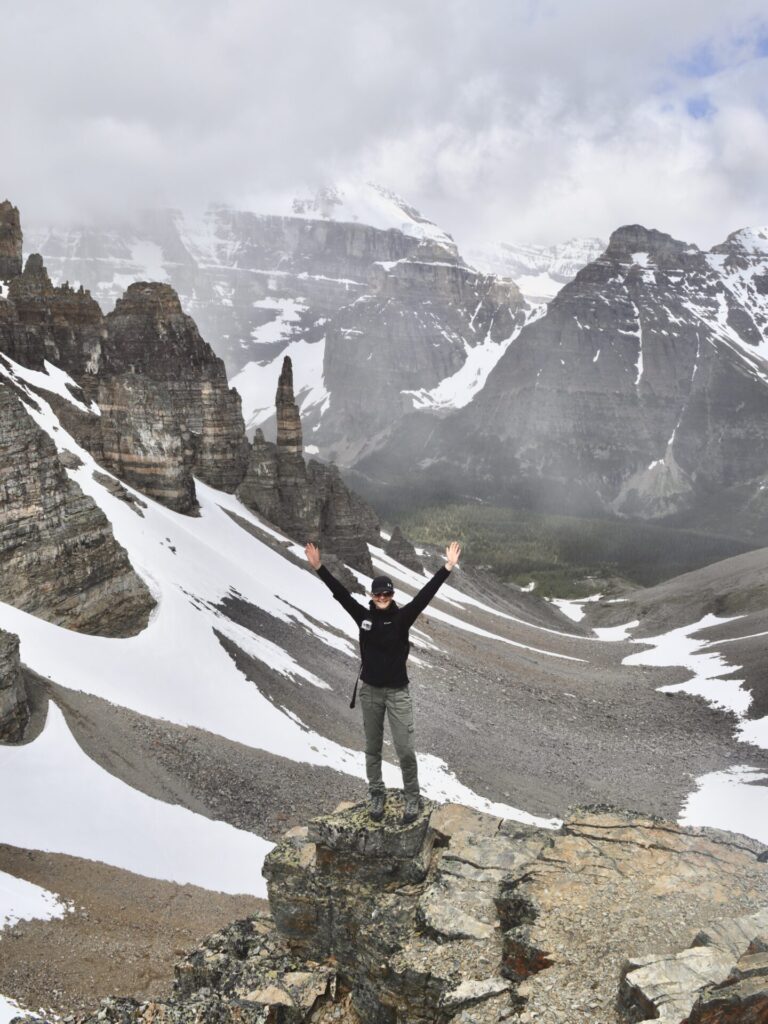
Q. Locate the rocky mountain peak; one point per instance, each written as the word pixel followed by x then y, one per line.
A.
pixel 289 439
pixel 151 298
pixel 10 241
pixel 150 333
pixel 634 238
pixel 745 242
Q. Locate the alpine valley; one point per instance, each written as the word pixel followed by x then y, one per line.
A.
pixel 176 740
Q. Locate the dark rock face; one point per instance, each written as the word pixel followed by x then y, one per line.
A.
pixel 58 556
pixel 62 325
pixel 642 391
pixel 10 241
pixel 400 548
pixel 14 710
pixel 309 501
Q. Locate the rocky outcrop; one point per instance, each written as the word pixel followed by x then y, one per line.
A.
pixel 58 556
pixel 10 241
pixel 14 710
pixel 723 976
pixel 400 548
pixel 164 411
pixel 308 501
pixel 467 917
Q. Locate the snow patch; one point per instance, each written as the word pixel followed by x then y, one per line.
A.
pixel 23 901
pixel 63 802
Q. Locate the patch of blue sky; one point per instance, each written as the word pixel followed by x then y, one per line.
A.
pixel 700 107
pixel 710 57
pixel 701 62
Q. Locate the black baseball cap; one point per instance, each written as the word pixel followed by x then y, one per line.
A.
pixel 382 585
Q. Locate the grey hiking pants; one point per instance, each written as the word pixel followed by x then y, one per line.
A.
pixel 396 703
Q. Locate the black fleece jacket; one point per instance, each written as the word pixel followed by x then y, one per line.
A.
pixel 384 643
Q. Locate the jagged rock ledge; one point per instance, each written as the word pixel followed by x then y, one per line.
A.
pixel 475 918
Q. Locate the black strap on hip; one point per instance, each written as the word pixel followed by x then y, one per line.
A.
pixel 354 692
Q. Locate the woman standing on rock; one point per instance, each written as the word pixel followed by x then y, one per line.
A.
pixel 384 647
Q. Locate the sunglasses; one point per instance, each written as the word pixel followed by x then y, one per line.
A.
pixel 387 593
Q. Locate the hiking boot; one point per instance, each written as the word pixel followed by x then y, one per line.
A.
pixel 412 809
pixel 376 806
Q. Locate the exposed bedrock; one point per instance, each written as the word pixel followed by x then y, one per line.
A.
pixel 467 917
pixel 62 325
pixel 58 556
pixel 400 548
pixel 14 709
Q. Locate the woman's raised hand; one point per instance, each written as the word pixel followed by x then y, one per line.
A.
pixel 312 551
pixel 452 554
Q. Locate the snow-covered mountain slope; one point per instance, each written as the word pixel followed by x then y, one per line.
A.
pixel 371 204
pixel 643 390
pixel 365 296
pixel 539 271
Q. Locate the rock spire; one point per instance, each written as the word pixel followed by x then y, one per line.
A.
pixel 309 501
pixel 10 241
pixel 289 440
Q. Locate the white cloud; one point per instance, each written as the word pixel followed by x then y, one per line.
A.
pixel 530 120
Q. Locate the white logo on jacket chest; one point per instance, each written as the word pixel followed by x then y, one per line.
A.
pixel 366 624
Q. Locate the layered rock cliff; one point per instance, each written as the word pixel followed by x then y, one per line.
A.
pixel 164 410
pixel 14 710
pixel 150 339
pixel 306 500
pixel 58 556
pixel 461 916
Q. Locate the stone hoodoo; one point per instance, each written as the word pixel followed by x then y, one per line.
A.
pixel 306 500
pixel 14 710
pixel 400 548
pixel 10 241
pixel 467 917
pixel 58 556
pixel 289 440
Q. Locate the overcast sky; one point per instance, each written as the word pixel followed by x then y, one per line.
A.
pixel 526 120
